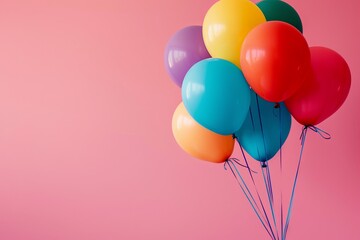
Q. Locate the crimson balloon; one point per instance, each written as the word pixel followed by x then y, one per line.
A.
pixel 324 91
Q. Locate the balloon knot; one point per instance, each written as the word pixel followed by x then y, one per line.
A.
pixel 237 161
pixel 317 130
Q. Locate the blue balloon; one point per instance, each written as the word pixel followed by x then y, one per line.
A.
pixel 216 95
pixel 260 133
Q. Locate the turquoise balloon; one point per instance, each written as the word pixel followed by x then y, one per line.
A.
pixel 276 10
pixel 216 95
pixel 260 133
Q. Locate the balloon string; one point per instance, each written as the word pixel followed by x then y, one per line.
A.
pixel 268 186
pixel 257 191
pixel 253 125
pixel 303 138
pixel 246 192
pixel 258 152
pixel 319 131
pixel 324 135
pixel 242 180
pixel 267 181
pixel 261 126
pixel 237 161
pixel 281 167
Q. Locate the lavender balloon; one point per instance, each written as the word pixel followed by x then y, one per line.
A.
pixel 185 48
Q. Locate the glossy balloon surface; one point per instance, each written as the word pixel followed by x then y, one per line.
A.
pixel 198 141
pixel 216 95
pixel 185 48
pixel 275 60
pixel 265 129
pixel 324 91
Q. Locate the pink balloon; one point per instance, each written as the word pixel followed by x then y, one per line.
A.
pixel 324 91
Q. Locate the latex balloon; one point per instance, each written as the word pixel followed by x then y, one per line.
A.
pixel 276 10
pixel 226 25
pixel 216 95
pixel 260 133
pixel 185 48
pixel 198 141
pixel 325 91
pixel 275 60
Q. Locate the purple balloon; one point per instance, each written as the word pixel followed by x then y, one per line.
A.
pixel 185 48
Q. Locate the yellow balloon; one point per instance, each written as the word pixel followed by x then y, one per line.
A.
pixel 226 25
pixel 198 141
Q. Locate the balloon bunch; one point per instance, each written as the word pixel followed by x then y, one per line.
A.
pixel 243 74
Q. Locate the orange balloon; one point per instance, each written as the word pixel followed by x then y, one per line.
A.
pixel 198 141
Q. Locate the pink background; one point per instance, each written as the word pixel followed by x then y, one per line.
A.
pixel 86 149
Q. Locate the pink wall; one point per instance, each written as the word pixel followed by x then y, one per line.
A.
pixel 86 149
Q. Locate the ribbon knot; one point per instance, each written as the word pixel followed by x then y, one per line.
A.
pixel 315 129
pixel 237 161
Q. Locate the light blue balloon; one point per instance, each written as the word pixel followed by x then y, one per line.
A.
pixel 260 133
pixel 216 95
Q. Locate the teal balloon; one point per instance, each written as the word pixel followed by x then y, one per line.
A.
pixel 216 95
pixel 260 133
pixel 276 10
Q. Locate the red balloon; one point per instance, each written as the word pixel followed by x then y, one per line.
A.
pixel 324 91
pixel 275 59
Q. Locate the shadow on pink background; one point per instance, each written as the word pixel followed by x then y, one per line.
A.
pixel 86 149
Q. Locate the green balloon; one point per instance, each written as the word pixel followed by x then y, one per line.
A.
pixel 276 10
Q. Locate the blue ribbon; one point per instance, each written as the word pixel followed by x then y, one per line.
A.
pixel 319 131
pixel 324 135
pixel 267 180
pixel 257 192
pixel 261 126
pixel 237 161
pixel 281 193
pixel 246 191
pixel 253 125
